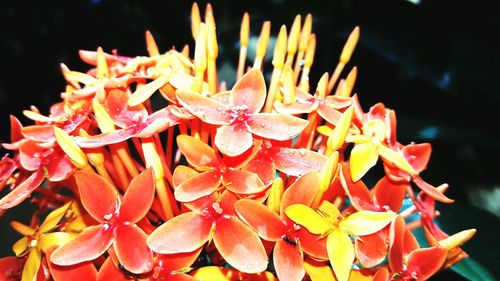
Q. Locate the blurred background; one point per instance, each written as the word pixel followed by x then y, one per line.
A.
pixel 437 62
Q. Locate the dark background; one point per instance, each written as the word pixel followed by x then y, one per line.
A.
pixel 436 62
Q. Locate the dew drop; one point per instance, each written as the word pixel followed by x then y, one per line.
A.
pixel 302 151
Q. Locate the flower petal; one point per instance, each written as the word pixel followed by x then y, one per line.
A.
pixel 329 114
pixel 32 264
pixel 198 186
pixel 431 190
pixel 307 217
pixel 418 155
pixel 372 249
pixel 276 126
pixel 183 233
pixel 197 153
pixel 98 196
pixel 249 91
pixel 205 108
pixel 242 182
pixel 341 253
pixel 296 162
pixel 263 220
pixel 22 191
pixel 87 246
pixel 302 191
pixel 11 268
pixel 84 271
pixel 131 249
pixel 240 246
pixel 426 262
pixel 30 155
pixel 109 272
pixel 389 193
pixel 263 167
pixel 233 140
pixel 312 244
pixel 288 261
pixel 59 167
pixel 318 271
pixel 358 193
pixel 139 197
pixel 367 222
pixel 297 107
pixel 363 157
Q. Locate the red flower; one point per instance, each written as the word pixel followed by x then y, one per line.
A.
pixel 235 241
pixel 117 223
pixel 287 254
pixel 215 171
pixel 240 119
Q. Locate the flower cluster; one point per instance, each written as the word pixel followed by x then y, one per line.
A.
pixel 258 182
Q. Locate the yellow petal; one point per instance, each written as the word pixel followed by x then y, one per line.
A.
pixel 307 217
pixel 215 273
pixel 457 239
pixel 325 130
pixel 21 247
pixel 55 239
pixel 53 219
pixel 396 158
pixel 338 135
pixel 318 271
pixel 104 121
pixel 102 65
pixel 329 210
pixel 366 222
pixel 143 93
pixel 32 265
pixel 341 253
pixel 363 157
pixel 74 152
pixel 275 194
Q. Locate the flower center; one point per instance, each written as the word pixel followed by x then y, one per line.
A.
pixel 240 114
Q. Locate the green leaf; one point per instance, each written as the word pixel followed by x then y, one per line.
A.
pixel 472 270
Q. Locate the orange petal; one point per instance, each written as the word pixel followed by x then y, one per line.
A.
pixel 182 173
pixel 302 191
pixel 22 191
pixel 372 249
pixel 295 162
pixel 357 191
pixel 233 140
pixel 183 233
pixel 389 193
pixel 313 245
pixel 198 186
pixel 30 155
pixel 249 91
pixel 276 126
pixel 131 249
pixel 109 272
pixel 87 246
pixel 84 271
pixel 197 153
pixel 265 222
pixel 139 197
pixel 242 182
pixel 341 253
pixel 426 262
pixel 431 190
pixel 363 157
pixel 97 194
pixel 331 115
pixel 11 268
pixel 418 155
pixel 205 108
pixel 382 275
pixel 263 167
pixel 288 261
pixel 240 246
